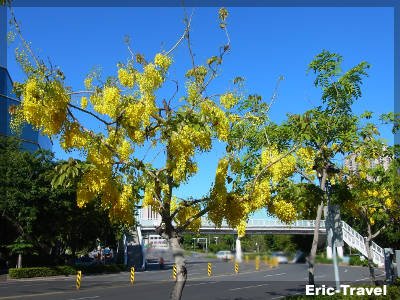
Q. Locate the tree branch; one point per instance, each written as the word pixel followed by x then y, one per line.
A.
pixel 185 32
pixel 90 113
pixel 378 232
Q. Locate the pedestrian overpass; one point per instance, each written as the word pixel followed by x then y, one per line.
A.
pixel 149 221
pixel 254 226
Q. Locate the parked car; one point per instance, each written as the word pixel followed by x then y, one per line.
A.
pixel 282 258
pixel 299 257
pixel 224 255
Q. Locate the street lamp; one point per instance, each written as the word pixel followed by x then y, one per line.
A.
pixel 332 236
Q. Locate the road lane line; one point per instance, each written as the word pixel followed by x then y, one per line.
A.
pixel 279 274
pixel 315 277
pixel 82 298
pixel 248 287
pixel 212 282
pixel 90 297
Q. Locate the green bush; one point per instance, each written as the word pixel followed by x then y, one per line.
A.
pixel 356 261
pixel 41 272
pixel 63 270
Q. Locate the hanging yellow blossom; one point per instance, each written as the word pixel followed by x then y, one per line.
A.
pixel 163 61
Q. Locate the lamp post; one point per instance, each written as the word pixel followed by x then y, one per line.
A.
pixel 193 239
pixel 332 237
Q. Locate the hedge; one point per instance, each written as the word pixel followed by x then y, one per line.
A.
pixel 63 270
pixel 41 271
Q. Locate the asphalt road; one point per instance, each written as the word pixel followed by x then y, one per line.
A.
pixel 224 284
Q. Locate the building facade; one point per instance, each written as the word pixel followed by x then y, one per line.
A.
pixel 30 138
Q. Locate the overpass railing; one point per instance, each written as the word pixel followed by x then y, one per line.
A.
pixel 252 223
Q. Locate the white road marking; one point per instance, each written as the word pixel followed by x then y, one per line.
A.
pixel 212 282
pixel 318 276
pixel 248 287
pixel 93 297
pixel 366 278
pixel 279 274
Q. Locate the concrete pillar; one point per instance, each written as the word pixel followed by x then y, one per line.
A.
pixel 328 252
pixel 340 251
pixel 238 255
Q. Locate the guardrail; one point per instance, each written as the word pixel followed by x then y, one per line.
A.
pixel 251 224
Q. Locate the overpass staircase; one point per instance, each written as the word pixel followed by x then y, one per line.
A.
pixel 356 241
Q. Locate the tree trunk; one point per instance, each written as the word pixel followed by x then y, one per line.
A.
pixel 368 243
pixel 313 253
pixel 314 246
pixel 19 262
pixel 181 272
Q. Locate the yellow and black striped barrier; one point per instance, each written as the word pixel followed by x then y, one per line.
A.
pixel 236 268
pixel 266 260
pixel 209 269
pixel 246 259
pixel 78 280
pixel 132 275
pixel 174 272
pixel 257 263
pixel 274 262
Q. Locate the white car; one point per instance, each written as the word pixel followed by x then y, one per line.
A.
pixel 224 255
pixel 282 258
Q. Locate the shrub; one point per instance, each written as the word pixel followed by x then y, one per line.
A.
pixel 41 272
pixel 356 261
pixel 63 270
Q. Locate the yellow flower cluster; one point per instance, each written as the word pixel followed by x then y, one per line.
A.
pixel 163 61
pixel 228 100
pixel 109 103
pixel 241 228
pixel 219 193
pixel 186 213
pixel 88 83
pixel 150 80
pixel 126 77
pixel 285 211
pixel 193 95
pixel 124 150
pixel 260 194
pixel 199 73
pixel 84 102
pixel 306 156
pixel 122 210
pixel 92 183
pixel 149 196
pixel 49 97
pixel 217 117
pixel 73 137
pixel 182 145
pixel 280 169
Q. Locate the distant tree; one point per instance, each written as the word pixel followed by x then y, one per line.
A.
pixel 374 201
pixel 30 205
pixel 321 135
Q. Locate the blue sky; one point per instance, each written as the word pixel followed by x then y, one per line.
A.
pixel 265 43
